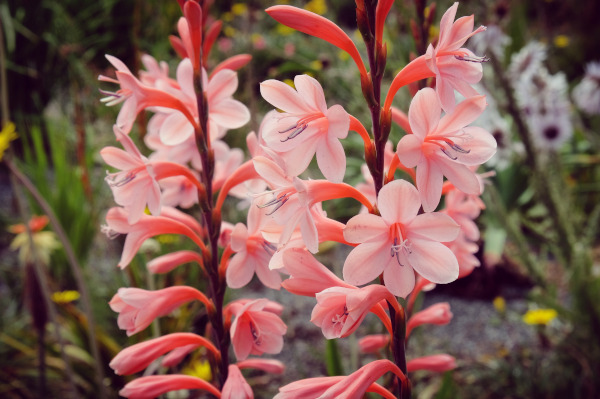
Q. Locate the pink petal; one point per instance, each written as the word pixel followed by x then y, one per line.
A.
pixel 409 150
pixel 398 201
pixel 366 262
pixel 339 121
pixel 185 78
pixel 241 338
pixel 331 159
pixel 399 279
pixel 461 176
pixel 481 144
pixel 434 226
pixel 221 85
pixel 445 93
pixel 119 159
pixel 229 113
pixel 446 25
pixel 239 237
pixel 282 96
pixel 424 112
pixel 297 160
pixel 461 31
pixel 434 261
pixel 309 233
pixel 365 227
pixel 463 114
pixel 270 278
pixel 175 129
pixel 270 172
pixel 429 181
pixel 240 270
pixel 311 91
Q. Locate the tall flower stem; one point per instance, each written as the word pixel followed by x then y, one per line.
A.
pixel 381 125
pixel 212 221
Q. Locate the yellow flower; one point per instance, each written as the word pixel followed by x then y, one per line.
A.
pixel 7 135
pixel 316 6
pixel 62 297
pixel 316 65
pixel 45 242
pixel 539 316
pixel 200 369
pixel 561 41
pixel 500 304
pixel 229 31
pixel 239 9
pixel 289 82
pixel 284 30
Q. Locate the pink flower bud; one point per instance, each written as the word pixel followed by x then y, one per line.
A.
pixel 438 314
pixel 373 343
pixel 438 363
pixel 236 387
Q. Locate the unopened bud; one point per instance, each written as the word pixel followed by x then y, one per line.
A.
pixel 366 84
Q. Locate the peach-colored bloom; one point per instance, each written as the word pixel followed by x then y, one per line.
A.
pixel 373 343
pixel 268 365
pixel 444 146
pixel 305 127
pixel 139 356
pixel 438 314
pixel 148 226
pixel 438 363
pixel 168 262
pixel 308 276
pixel 236 386
pixel 455 68
pixel 153 386
pixel 340 310
pixel 137 308
pixel 253 253
pixel 256 331
pixel 400 241
pixel 353 386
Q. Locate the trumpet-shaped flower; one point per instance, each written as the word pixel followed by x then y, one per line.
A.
pixel 152 386
pixel 253 253
pixel 455 68
pixel 399 242
pixel 236 386
pixel 137 308
pixel 444 146
pixel 438 314
pixel 438 363
pixel 139 356
pixel 256 330
pixel 305 127
pixel 340 310
pixel 353 386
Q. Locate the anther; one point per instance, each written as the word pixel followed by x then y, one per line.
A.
pixel 472 58
pixel 458 148
pixel 445 151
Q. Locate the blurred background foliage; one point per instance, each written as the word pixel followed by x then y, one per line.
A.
pixel 540 233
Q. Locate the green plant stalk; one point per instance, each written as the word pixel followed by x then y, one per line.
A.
pixel 541 182
pixel 44 286
pixel 75 268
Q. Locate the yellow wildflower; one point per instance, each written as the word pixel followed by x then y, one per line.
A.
pixel 229 31
pixel 561 41
pixel 7 135
pixel 500 304
pixel 62 297
pixel 316 6
pixel 316 65
pixel 200 369
pixel 289 82
pixel 539 316
pixel 284 30
pixel 239 9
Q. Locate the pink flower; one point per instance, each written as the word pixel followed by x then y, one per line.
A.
pixel 137 96
pixel 305 127
pixel 256 331
pixel 454 67
pixel 373 343
pixel 438 314
pixel 253 253
pixel 340 310
pixel 223 111
pixel 146 227
pixel 308 276
pixel 444 146
pixel 139 356
pixel 168 262
pixel 437 363
pixel 236 386
pixel 137 308
pixel 399 241
pixel 155 385
pixel 136 185
pixel 179 191
pixel 353 386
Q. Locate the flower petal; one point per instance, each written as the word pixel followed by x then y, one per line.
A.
pixel 434 261
pixel 434 226
pixel 429 182
pixel 424 112
pixel 365 227
pixel 366 262
pixel 398 201
pixel 399 279
pixel 331 159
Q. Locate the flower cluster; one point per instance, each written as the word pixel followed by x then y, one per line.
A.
pixel 401 243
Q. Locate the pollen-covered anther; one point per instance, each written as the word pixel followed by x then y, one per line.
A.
pixel 111 179
pixel 269 247
pixel 472 58
pixel 278 201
